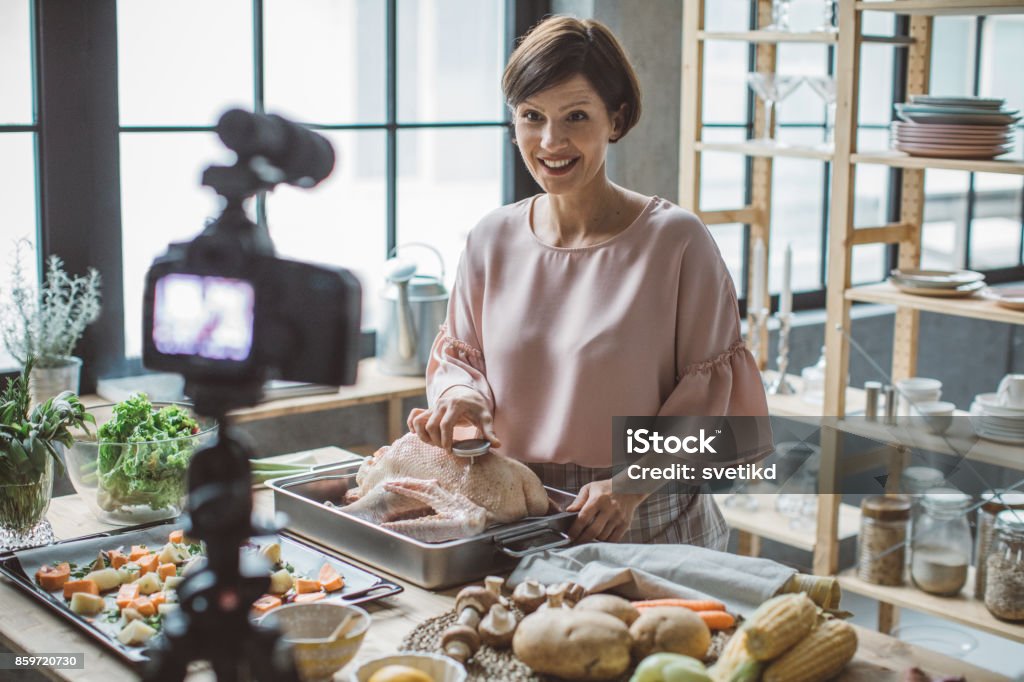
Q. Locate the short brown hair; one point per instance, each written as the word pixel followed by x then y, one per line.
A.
pixel 560 47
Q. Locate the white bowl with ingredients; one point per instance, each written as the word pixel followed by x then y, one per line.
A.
pixel 436 667
pixel 311 630
pixel 142 477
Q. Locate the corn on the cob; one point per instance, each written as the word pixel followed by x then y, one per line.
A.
pixel 736 664
pixel 778 624
pixel 820 656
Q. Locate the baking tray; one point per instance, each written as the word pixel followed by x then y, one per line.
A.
pixel 431 565
pixel 360 585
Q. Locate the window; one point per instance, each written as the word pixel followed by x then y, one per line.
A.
pixel 18 142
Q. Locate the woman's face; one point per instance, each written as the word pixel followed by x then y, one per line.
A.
pixel 563 134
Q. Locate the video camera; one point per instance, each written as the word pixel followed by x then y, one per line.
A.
pixel 228 314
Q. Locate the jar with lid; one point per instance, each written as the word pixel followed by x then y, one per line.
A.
pixel 881 548
pixel 992 503
pixel 1004 589
pixel 941 547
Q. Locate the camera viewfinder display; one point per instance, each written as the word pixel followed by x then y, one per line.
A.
pixel 210 317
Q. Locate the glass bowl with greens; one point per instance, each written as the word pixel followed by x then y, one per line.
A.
pixel 132 467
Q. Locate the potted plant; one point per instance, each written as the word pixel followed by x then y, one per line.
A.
pixel 28 455
pixel 47 324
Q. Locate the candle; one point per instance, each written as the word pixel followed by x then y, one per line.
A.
pixel 756 301
pixel 786 297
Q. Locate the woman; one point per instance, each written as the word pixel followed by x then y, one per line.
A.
pixel 586 302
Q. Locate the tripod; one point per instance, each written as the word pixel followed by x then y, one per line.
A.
pixel 212 623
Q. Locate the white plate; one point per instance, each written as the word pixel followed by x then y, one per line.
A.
pixel 983 153
pixel 936 278
pixel 962 291
pixel 961 119
pixel 949 127
pixel 989 404
pixel 1012 299
pixel 988 102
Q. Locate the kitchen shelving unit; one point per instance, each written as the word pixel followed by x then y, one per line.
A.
pixel 835 519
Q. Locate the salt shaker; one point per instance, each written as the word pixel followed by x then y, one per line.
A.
pixel 871 390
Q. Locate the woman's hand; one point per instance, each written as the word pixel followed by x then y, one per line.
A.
pixel 603 514
pixel 458 406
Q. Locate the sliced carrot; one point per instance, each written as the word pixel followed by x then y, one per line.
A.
pixel 692 604
pixel 52 578
pixel 267 602
pixel 72 586
pixel 143 605
pixel 148 564
pixel 309 597
pixel 176 536
pixel 166 570
pixel 717 620
pixel 126 594
pixel 138 551
pixel 158 598
pixel 302 586
pixel 117 560
pixel 329 578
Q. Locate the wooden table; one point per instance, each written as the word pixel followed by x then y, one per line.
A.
pixel 25 627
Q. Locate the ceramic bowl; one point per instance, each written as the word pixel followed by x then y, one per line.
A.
pixel 306 628
pixel 937 415
pixel 439 668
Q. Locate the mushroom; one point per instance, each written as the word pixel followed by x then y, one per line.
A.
pixel 460 642
pixel 498 627
pixel 574 592
pixel 472 603
pixel 528 595
pixel 495 584
pixel 556 597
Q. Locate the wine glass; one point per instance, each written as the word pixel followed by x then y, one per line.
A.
pixel 825 86
pixel 780 16
pixel 772 88
pixel 829 18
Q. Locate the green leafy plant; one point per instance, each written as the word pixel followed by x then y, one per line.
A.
pixel 46 324
pixel 28 442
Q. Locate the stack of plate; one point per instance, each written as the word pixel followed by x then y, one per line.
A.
pixel 1011 298
pixel 993 421
pixel 954 127
pixel 942 283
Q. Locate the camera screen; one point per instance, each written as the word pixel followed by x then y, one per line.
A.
pixel 211 317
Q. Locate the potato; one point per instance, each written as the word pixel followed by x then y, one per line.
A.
pixel 272 553
pixel 196 563
pixel 575 645
pixel 172 554
pixel 610 604
pixel 669 628
pixel 127 575
pixel 85 604
pixel 106 579
pixel 164 609
pixel 280 582
pixel 135 633
pixel 149 583
pixel 172 582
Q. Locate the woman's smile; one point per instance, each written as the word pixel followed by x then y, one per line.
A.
pixel 558 166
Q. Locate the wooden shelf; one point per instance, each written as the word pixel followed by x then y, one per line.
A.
pixel 767 523
pixel 795 406
pixel 758 149
pixel 974 307
pixel 899 159
pixel 963 609
pixel 940 7
pixel 795 37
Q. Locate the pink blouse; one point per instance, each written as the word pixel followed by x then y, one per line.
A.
pixel 560 340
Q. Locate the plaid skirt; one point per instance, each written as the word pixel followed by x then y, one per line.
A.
pixel 663 518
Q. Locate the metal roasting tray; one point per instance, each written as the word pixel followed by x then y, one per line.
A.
pixel 18 567
pixel 430 565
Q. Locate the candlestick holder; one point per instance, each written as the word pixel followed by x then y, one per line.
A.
pixel 757 323
pixel 780 385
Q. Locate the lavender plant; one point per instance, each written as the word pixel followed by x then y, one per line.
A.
pixel 46 324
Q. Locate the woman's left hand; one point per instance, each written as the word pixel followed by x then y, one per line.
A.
pixel 603 514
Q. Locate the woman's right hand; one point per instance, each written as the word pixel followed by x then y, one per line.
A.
pixel 458 406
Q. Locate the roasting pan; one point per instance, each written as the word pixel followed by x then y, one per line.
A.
pixel 431 565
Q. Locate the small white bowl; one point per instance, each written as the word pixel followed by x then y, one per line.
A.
pixel 440 668
pixel 919 385
pixel 937 415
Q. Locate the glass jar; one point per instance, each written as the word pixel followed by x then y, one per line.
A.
pixel 992 503
pixel 23 504
pixel 881 548
pixel 814 381
pixel 941 548
pixel 1004 589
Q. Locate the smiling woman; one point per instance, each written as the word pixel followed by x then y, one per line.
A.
pixel 586 302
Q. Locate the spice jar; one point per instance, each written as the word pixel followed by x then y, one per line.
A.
pixel 883 538
pixel 941 548
pixel 1004 590
pixel 992 502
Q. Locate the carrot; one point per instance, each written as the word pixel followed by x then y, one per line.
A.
pixel 329 578
pixel 166 570
pixel 72 586
pixel 138 551
pixel 148 564
pixel 117 560
pixel 303 586
pixel 126 594
pixel 717 620
pixel 144 605
pixel 267 602
pixel 176 536
pixel 158 598
pixel 692 604
pixel 52 578
pixel 309 597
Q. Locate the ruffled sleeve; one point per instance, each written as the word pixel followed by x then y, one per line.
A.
pixel 715 373
pixel 457 358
